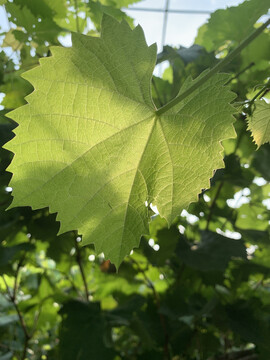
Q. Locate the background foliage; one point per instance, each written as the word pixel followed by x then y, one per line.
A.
pixel 199 290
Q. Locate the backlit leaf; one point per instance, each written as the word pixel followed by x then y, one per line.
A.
pixel 259 123
pixel 95 149
pixel 229 24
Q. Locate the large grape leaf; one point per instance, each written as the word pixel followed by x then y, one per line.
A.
pixel 259 123
pixel 91 147
pixel 233 23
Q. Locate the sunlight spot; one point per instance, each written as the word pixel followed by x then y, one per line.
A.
pixel 246 191
pixel 266 203
pixel 154 208
pixel 190 218
pixel 72 251
pixel 101 256
pixel 78 239
pixel 260 181
pixel 230 234
pixel 65 40
pixel 8 189
pixel 156 247
pixel 182 229
pixel 2 95
pixel 161 276
pixel 151 242
pixel 206 198
pixel 240 198
pixel 251 249
pixel 91 257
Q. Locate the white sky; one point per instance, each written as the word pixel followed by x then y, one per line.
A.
pixel 181 28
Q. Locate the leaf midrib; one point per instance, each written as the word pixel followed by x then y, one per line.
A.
pixel 135 174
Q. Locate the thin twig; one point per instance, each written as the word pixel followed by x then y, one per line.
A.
pixel 35 323
pixel 79 261
pixel 213 204
pixel 161 316
pixel 236 76
pixel 13 299
pixel 15 287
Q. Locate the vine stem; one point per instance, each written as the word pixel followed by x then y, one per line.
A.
pixel 214 70
pixel 13 299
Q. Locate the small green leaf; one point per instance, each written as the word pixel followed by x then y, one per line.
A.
pixel 95 149
pixel 259 123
